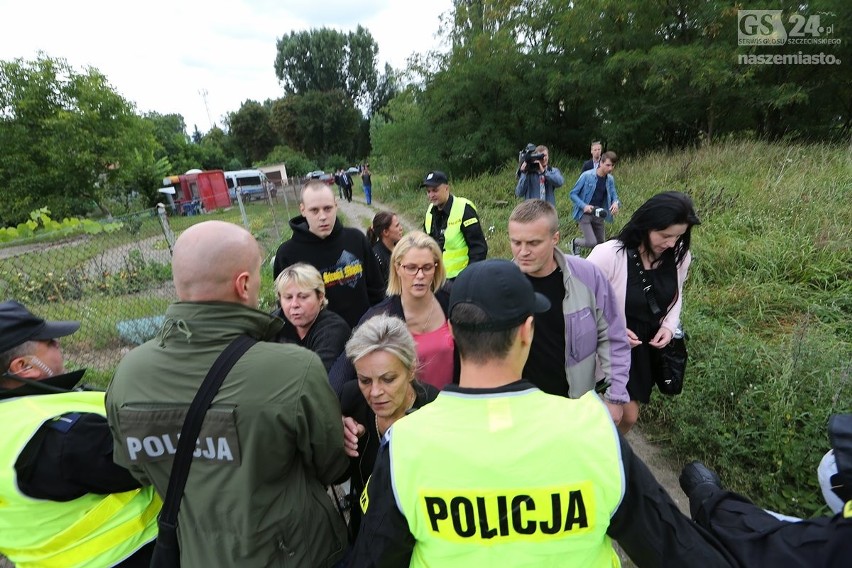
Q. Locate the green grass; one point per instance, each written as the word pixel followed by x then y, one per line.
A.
pixel 768 304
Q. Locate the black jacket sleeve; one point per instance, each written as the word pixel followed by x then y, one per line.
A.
pixel 281 261
pixel 329 339
pixel 443 297
pixel 65 465
pixel 384 539
pixel 757 538
pixel 376 289
pixel 471 228
pixel 340 373
pixel 652 530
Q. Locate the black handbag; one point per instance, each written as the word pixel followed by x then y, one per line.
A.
pixel 166 550
pixel 671 362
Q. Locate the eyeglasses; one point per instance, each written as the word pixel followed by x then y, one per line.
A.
pixel 413 269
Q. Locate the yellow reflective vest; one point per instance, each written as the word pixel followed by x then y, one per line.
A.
pixel 91 531
pixel 455 246
pixel 508 479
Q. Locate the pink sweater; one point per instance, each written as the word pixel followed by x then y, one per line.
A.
pixel 613 263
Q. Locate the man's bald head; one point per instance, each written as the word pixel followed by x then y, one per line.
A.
pixel 217 261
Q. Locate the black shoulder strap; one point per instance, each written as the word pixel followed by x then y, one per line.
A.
pixel 646 285
pixel 192 426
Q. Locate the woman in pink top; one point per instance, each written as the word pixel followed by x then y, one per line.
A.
pixel 417 271
pixel 416 294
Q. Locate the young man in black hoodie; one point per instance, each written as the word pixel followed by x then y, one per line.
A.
pixel 353 281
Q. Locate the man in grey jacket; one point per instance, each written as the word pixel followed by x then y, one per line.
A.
pixel 583 327
pixel 273 436
pixel 538 179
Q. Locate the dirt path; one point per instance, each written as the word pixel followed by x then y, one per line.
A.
pixel 152 249
pixel 359 214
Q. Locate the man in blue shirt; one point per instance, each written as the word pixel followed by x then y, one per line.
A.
pixel 595 201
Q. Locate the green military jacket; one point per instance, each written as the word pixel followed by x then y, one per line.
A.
pixel 270 441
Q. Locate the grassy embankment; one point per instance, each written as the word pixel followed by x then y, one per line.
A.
pixel 768 305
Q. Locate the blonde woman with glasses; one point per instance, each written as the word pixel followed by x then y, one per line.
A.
pixel 416 294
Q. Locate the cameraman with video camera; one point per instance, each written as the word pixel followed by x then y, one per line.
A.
pixel 595 201
pixel 537 180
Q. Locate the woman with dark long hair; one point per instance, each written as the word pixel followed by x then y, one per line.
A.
pixel 383 235
pixel 652 249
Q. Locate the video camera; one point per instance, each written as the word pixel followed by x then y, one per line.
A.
pixel 531 157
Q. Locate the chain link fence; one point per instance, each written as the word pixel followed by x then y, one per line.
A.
pixel 118 282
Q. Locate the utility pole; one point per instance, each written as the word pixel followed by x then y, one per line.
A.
pixel 203 93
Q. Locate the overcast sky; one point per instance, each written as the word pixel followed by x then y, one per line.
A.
pixel 161 54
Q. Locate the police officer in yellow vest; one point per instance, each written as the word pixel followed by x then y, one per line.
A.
pixel 496 473
pixel 63 502
pixel 453 222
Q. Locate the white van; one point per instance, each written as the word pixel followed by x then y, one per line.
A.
pixel 250 183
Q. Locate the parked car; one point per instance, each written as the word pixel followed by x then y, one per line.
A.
pixel 251 184
pixel 321 175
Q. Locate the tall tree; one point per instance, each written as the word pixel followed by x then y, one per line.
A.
pixel 66 139
pixel 402 136
pixel 251 130
pixel 319 124
pixel 387 87
pixel 325 59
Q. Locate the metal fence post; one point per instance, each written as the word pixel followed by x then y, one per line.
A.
pixel 167 230
pixel 238 193
pixel 271 203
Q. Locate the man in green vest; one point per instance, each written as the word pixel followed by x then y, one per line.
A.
pixel 495 472
pixel 63 502
pixel 453 222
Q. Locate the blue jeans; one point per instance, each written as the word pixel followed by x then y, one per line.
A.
pixel 368 193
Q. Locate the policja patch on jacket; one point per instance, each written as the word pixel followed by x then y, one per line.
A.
pixel 152 434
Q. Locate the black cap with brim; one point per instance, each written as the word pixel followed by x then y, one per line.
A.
pixel 18 325
pixel 500 289
pixel 434 179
